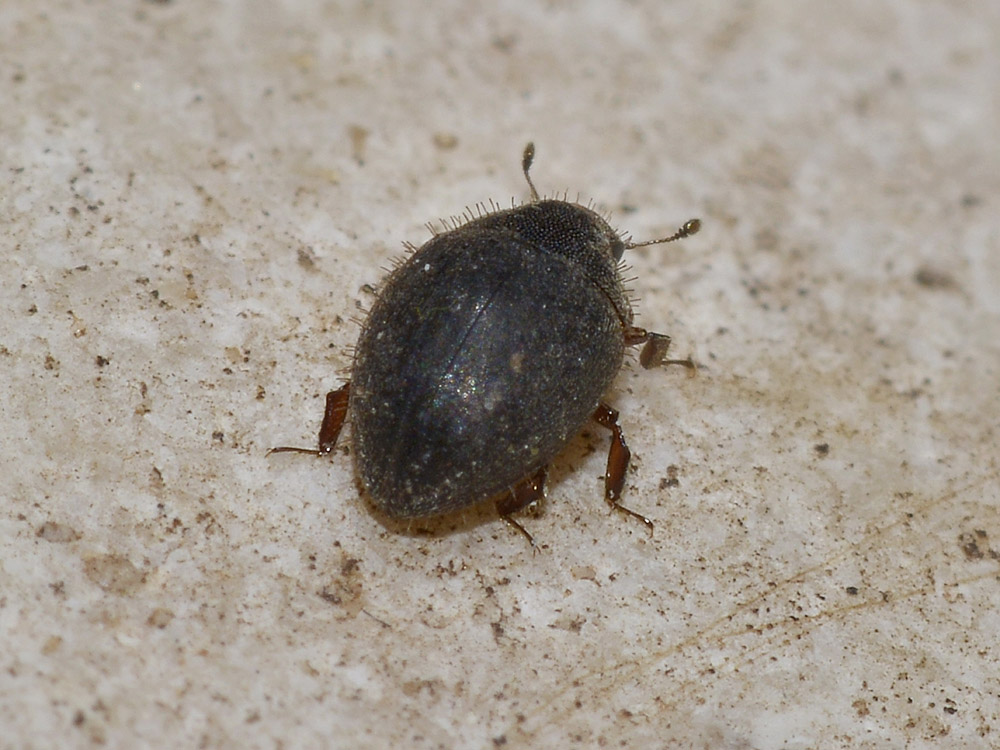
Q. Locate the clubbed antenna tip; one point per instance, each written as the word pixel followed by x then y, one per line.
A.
pixel 691 226
pixel 526 159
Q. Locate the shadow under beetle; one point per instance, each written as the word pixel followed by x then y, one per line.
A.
pixel 484 354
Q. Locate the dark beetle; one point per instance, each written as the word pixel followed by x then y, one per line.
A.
pixel 484 354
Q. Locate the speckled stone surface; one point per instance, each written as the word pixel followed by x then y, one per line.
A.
pixel 194 198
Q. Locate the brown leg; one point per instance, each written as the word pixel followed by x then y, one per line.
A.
pixel 654 353
pixel 524 493
pixel 618 458
pixel 333 422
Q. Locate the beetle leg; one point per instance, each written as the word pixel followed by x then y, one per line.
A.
pixel 654 353
pixel 333 422
pixel 521 495
pixel 618 458
pixel 333 417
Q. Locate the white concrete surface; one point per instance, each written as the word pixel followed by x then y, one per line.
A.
pixel 193 197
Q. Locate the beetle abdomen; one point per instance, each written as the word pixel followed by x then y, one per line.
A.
pixel 480 360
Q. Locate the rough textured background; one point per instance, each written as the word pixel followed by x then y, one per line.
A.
pixel 193 198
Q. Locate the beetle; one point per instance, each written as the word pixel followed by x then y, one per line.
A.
pixel 485 353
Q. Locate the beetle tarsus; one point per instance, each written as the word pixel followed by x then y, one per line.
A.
pixel 523 531
pixel 293 449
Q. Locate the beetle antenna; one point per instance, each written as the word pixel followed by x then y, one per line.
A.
pixel 526 159
pixel 691 226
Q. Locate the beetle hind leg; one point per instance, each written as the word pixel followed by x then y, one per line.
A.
pixel 529 490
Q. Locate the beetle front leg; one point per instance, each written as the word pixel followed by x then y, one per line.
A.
pixel 618 459
pixel 654 353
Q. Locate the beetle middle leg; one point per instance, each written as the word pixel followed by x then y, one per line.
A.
pixel 333 422
pixel 618 458
pixel 529 490
pixel 654 353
